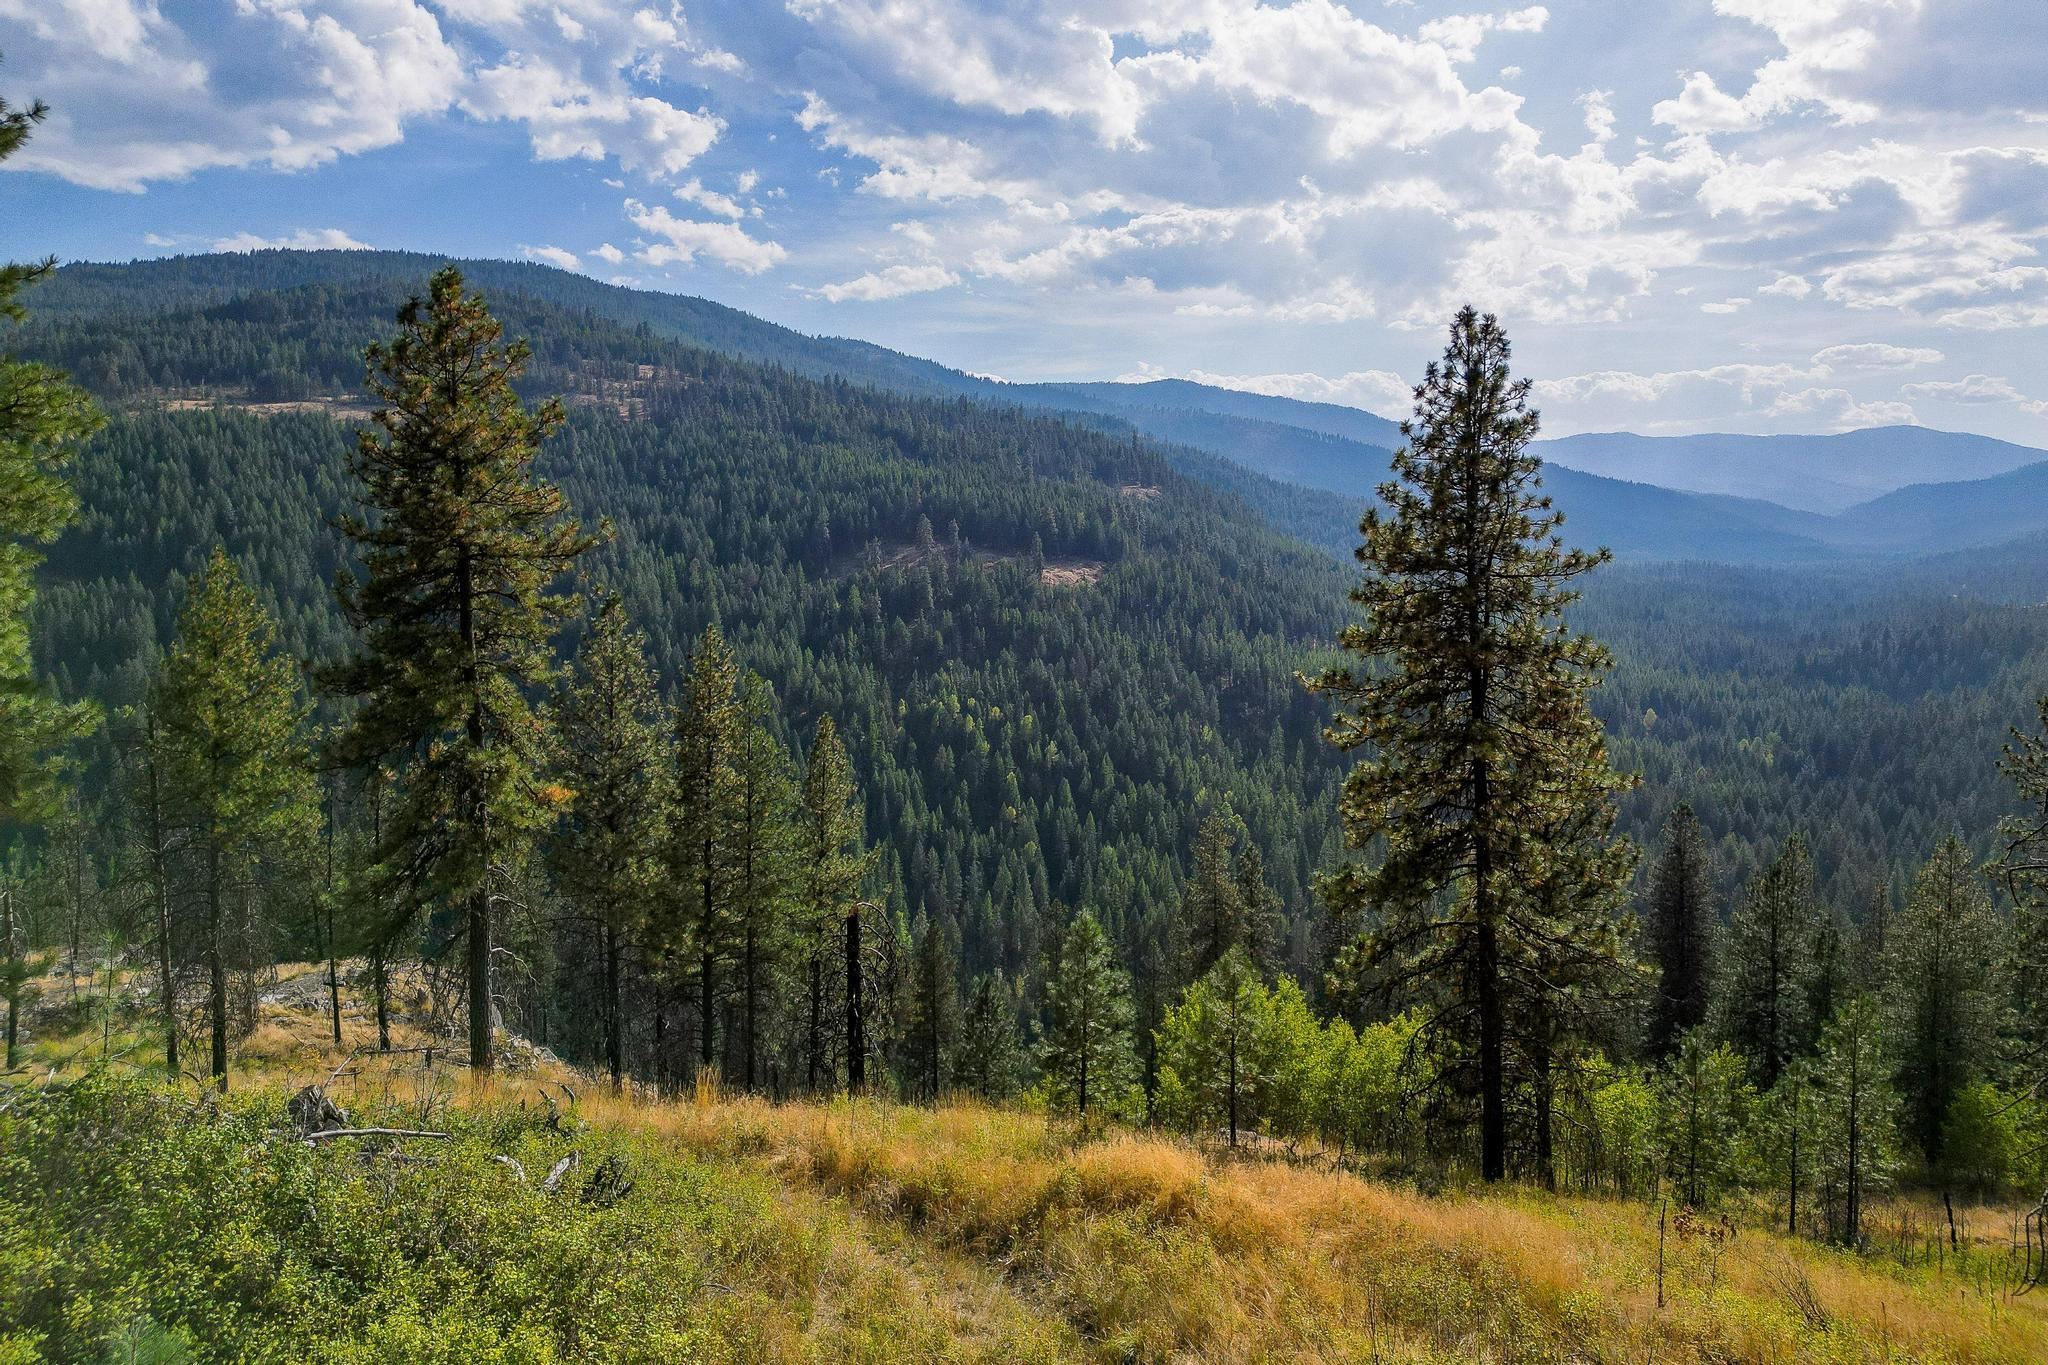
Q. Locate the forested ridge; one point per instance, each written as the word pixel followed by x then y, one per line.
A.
pixel 1846 700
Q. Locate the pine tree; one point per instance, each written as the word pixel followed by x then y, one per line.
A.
pixel 2023 867
pixel 1680 932
pixel 1212 906
pixel 1258 906
pixel 43 419
pixel 1087 1058
pixel 935 1009
pixel 1858 1114
pixel 1210 1062
pixel 1942 992
pixel 832 866
pixel 763 841
pixel 1471 695
pixel 461 549
pixel 1767 965
pixel 611 735
pixel 235 760
pixel 701 863
pixel 986 1062
pixel 1703 1104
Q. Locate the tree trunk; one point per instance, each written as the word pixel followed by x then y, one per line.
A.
pixel 753 972
pixel 614 1032
pixel 160 885
pixel 216 972
pixel 816 1043
pixel 856 1041
pixel 1233 1087
pixel 383 989
pixel 482 1058
pixel 1546 1159
pixel 1493 1113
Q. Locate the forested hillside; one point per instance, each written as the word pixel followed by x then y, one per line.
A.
pixel 1858 702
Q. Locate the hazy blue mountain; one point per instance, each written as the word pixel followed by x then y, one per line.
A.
pixel 1809 473
pixel 1182 395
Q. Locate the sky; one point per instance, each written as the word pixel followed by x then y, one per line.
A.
pixel 1691 215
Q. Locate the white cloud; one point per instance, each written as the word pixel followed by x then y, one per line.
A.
pixel 1788 287
pixel 1378 391
pixel 303 239
pixel 1977 389
pixel 683 240
pixel 692 191
pixel 1874 355
pixel 553 255
pixel 894 282
pixel 147 92
pixel 609 254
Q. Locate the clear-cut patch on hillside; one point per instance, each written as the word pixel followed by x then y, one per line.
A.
pixel 1060 572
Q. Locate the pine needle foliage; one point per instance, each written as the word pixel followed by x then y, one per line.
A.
pixel 1468 701
pixel 462 552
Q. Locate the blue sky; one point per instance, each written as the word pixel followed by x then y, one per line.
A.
pixel 1754 215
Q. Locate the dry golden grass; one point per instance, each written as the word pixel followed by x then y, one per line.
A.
pixel 965 1232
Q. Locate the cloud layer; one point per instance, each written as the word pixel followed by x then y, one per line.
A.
pixel 1762 213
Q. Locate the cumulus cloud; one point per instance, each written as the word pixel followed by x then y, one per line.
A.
pixel 555 256
pixel 682 241
pixel 301 239
pixel 144 92
pixel 892 283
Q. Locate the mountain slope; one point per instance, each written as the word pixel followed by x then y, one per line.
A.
pixel 1808 473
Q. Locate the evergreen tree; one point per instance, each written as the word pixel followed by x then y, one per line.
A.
pixel 763 842
pixel 935 1009
pixel 1858 1115
pixel 1214 915
pixel 461 548
pixel 235 761
pixel 987 1061
pixel 1211 1061
pixel 1767 965
pixel 1681 926
pixel 701 862
pixel 1703 1106
pixel 832 865
pixel 1472 697
pixel 1087 1057
pixel 1942 993
pixel 611 732
pixel 1258 906
pixel 43 418
pixel 19 964
pixel 2023 866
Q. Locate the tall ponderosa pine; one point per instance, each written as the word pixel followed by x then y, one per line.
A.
pixel 1088 1061
pixel 708 734
pixel 1471 698
pixel 1767 965
pixel 1943 989
pixel 462 549
pixel 831 867
pixel 764 875
pixel 43 418
pixel 235 762
pixel 1680 932
pixel 611 738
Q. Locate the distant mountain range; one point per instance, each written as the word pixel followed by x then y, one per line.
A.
pixel 1737 499
pixel 1807 473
